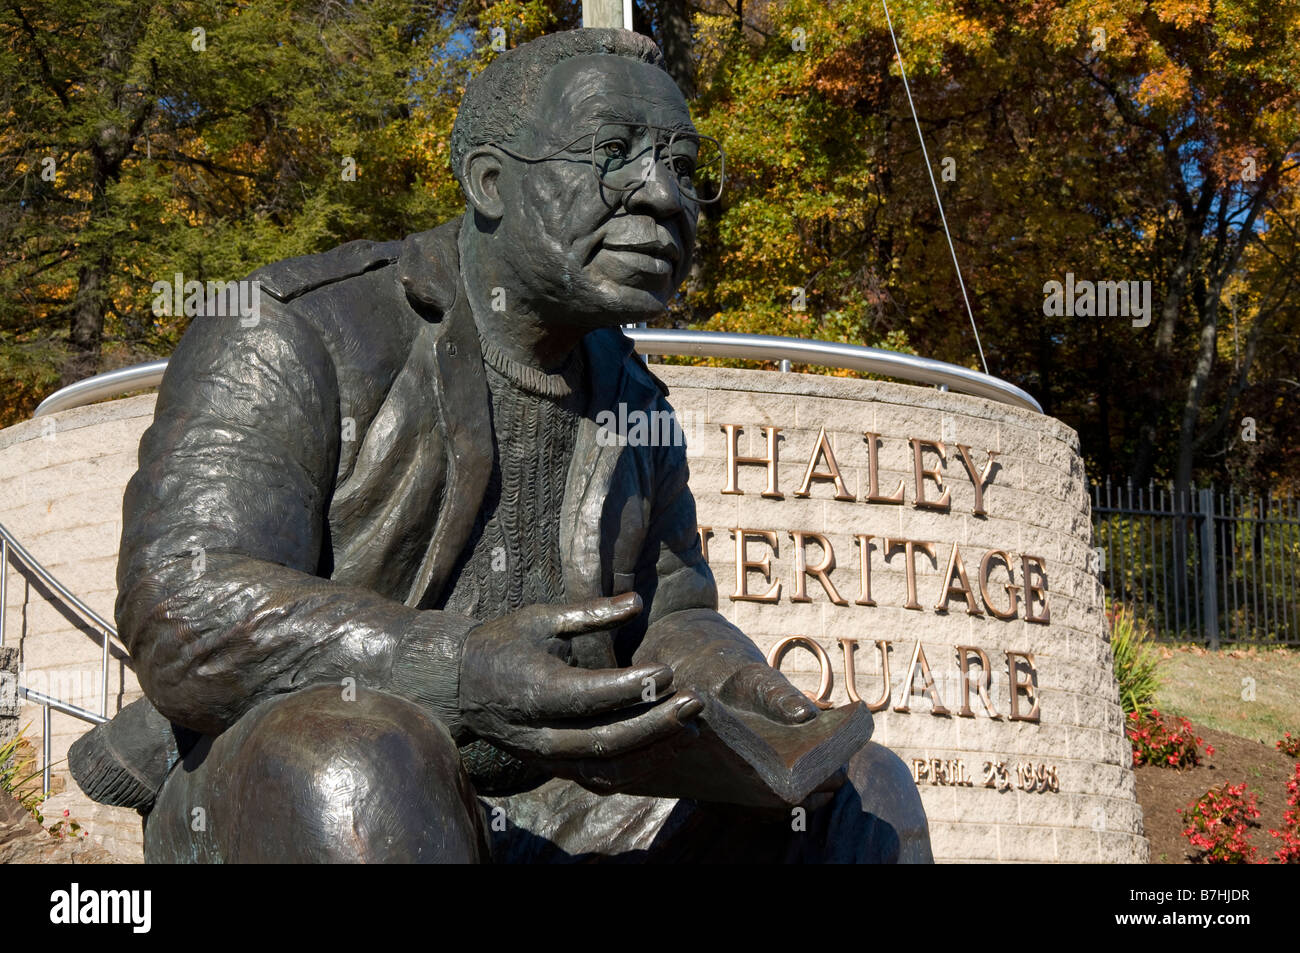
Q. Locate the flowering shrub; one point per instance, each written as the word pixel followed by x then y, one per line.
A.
pixel 1289 746
pixel 1289 851
pixel 1217 823
pixel 1168 744
pixel 67 827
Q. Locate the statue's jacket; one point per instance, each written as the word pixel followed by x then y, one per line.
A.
pixel 310 480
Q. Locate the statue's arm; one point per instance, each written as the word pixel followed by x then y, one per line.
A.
pixel 224 524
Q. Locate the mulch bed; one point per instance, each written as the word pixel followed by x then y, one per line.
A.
pixel 1162 791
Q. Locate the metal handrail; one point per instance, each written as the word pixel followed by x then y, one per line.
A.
pixel 720 344
pixel 47 703
pixel 30 561
pixel 853 357
pixel 102 387
pixel 9 542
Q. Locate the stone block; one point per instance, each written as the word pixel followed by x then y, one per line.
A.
pixel 752 410
pixel 1026 844
pixel 975 841
pixel 1078 846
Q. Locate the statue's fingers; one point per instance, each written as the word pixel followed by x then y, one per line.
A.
pixel 593 615
pixel 761 687
pixel 611 775
pixel 620 737
pixel 567 692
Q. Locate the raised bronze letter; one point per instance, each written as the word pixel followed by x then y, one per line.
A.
pixel 873 474
pixel 881 703
pixel 986 679
pixel 936 704
pixel 822 698
pixel 823 446
pixel 984 585
pixel 919 471
pixel 1032 590
pixel 1013 678
pixel 976 479
pixel 949 590
pixel 802 570
pixel 744 564
pixel 864 587
pixel 705 532
pixel 850 645
pixel 769 461
pixel 909 548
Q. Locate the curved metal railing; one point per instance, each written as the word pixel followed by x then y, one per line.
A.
pixel 755 347
pixel 102 387
pixel 853 357
pixel 61 595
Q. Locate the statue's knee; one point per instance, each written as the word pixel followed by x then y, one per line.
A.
pixel 886 788
pixel 364 776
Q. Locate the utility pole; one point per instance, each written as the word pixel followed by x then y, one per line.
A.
pixel 607 13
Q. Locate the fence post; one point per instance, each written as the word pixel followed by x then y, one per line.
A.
pixel 1209 597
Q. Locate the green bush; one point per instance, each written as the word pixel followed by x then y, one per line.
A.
pixel 1135 661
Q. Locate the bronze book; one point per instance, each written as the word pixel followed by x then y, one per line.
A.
pixel 743 758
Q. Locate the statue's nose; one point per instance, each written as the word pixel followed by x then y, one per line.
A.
pixel 657 193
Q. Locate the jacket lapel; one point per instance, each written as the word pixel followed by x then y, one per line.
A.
pixel 598 544
pixel 461 397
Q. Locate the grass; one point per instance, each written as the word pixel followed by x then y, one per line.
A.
pixel 1252 693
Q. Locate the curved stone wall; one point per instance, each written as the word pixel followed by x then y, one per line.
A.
pixel 1047 779
pixel 61 484
pixel 1037 773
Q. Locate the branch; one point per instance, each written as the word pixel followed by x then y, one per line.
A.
pixel 46 75
pixel 1134 118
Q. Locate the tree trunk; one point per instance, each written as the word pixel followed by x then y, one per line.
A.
pixel 1196 391
pixel 87 324
pixel 675 40
pixel 1156 390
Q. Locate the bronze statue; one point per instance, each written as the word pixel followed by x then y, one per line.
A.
pixel 388 593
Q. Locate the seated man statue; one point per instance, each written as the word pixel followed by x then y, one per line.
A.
pixel 390 591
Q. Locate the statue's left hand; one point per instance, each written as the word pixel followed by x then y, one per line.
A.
pixel 713 658
pixel 735 678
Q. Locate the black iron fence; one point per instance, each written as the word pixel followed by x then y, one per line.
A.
pixel 1202 565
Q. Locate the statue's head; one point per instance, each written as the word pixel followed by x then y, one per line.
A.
pixel 579 161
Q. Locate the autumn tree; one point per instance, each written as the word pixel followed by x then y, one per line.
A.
pixel 142 139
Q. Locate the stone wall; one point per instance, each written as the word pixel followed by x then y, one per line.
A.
pixel 1036 505
pixel 62 478
pixel 61 484
pixel 8 694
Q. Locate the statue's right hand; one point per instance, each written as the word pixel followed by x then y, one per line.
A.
pixel 517 693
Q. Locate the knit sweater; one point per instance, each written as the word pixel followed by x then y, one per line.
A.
pixel 512 558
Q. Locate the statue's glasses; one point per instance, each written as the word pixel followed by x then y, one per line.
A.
pixel 624 155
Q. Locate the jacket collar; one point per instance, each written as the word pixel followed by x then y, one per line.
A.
pixel 429 270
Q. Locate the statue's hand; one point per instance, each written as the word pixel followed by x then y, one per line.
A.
pixel 579 723
pixel 710 656
pixel 758 687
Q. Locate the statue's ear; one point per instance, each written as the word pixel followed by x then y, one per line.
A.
pixel 481 176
